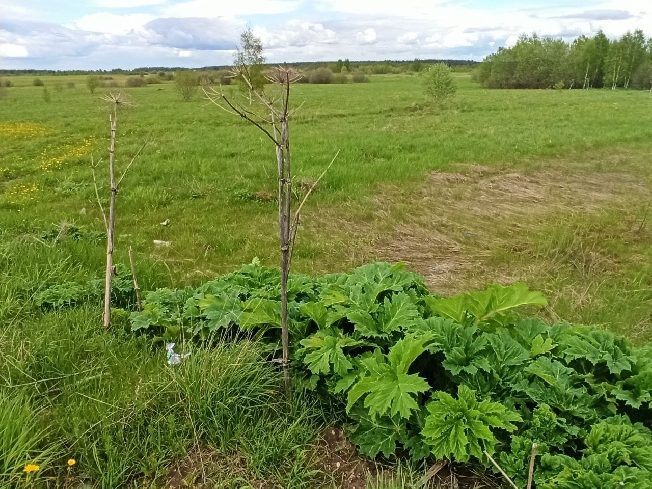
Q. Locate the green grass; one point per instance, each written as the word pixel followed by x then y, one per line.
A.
pixel 579 229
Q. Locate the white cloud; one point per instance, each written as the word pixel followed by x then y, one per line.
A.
pixel 296 33
pixel 409 38
pixel 368 36
pixel 221 8
pixel 111 23
pixel 185 54
pixel 13 51
pixel 127 3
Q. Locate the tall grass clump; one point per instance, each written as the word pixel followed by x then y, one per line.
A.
pixel 23 439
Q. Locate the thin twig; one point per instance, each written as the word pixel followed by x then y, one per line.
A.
pixel 133 276
pixel 131 162
pixel 97 194
pixel 297 214
pixel 245 116
pixel 530 475
pixel 433 471
pixel 501 470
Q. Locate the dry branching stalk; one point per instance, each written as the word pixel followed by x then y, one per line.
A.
pixel 530 475
pixel 116 100
pixel 271 116
pixel 510 481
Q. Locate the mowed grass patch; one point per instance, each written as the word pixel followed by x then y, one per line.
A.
pixel 576 229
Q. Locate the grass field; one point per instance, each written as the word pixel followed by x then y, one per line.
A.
pixel 553 188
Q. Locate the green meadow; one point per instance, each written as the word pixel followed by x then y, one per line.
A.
pixel 549 187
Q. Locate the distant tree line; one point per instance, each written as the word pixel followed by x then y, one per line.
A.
pixel 589 62
pixel 368 67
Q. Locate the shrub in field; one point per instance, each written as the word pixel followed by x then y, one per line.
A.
pixel 153 80
pixel 162 75
pixel 360 77
pixel 37 82
pixel 70 85
pixel 46 95
pixel 135 82
pixel 438 82
pixel 321 76
pixel 442 377
pixel 92 82
pixel 186 83
pixel 340 78
pixel 7 83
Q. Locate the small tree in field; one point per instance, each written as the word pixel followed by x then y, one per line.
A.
pixel 186 83
pixel 271 115
pixel 438 82
pixel 92 82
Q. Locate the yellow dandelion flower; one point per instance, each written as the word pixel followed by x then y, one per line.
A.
pixel 71 462
pixel 30 468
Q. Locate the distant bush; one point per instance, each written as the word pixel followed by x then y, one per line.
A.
pixel 381 69
pixel 303 77
pixel 360 77
pixel 153 80
pixel 340 78
pixel 38 82
pixel 321 76
pixel 186 83
pixel 70 85
pixel 162 75
pixel 92 82
pixel 7 83
pixel 46 95
pixel 135 81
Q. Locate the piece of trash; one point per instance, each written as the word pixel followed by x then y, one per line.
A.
pixel 174 358
pixel 83 210
pixel 165 223
pixel 467 235
pixel 158 242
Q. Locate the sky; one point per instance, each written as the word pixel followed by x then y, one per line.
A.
pixel 106 34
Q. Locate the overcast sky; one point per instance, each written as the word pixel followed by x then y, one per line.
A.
pixel 93 34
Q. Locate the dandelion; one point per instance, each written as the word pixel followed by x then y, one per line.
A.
pixel 71 462
pixel 31 468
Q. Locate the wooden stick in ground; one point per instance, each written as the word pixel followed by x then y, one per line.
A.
pixel 511 482
pixel 133 276
pixel 530 475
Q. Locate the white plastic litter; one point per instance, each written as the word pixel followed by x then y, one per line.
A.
pixel 159 242
pixel 174 358
pixel 165 223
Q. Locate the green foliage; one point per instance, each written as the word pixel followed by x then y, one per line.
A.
pixel 589 62
pixel 462 428
pixel 443 377
pixel 438 82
